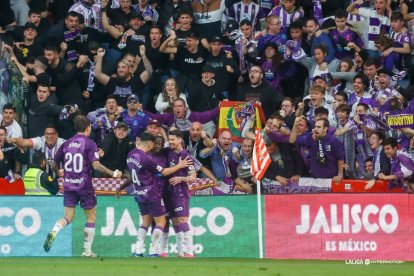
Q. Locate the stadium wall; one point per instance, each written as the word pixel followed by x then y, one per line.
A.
pixel 323 226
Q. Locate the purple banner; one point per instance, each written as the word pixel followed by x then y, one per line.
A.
pixel 304 186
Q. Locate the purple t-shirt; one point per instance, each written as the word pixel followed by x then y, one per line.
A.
pixel 143 172
pixel 181 189
pixel 77 155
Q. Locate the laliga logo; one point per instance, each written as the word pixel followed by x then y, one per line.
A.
pixel 371 218
pixel 20 216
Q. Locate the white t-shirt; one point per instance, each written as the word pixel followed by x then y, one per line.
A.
pixel 13 130
pixel 39 143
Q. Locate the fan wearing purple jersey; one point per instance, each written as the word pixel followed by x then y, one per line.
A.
pixel 179 195
pixel 143 172
pixel 287 12
pixel 79 156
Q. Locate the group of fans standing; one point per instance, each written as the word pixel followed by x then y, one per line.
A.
pixel 326 74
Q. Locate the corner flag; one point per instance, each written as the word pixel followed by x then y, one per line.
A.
pixel 261 158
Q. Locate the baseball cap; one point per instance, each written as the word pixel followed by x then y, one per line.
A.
pixel 231 26
pixel 215 39
pixel 208 68
pixel 154 122
pixel 29 25
pixel 121 124
pixel 135 15
pixel 132 97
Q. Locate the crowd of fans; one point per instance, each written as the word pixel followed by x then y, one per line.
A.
pixel 326 73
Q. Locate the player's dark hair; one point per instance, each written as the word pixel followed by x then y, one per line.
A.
pixel 81 123
pixel 3 128
pixel 341 13
pixel 176 132
pixel 147 137
pixel 390 142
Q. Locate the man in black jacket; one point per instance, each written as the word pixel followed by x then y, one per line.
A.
pixel 225 68
pixel 258 90
pixel 115 147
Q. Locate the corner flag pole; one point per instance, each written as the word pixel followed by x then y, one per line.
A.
pixel 259 218
pixel 260 161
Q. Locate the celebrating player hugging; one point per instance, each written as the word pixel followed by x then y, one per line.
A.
pixel 147 169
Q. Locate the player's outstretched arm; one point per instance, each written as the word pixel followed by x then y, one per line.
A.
pixel 128 181
pixel 102 169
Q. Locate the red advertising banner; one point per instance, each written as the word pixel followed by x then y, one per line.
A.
pixel 339 227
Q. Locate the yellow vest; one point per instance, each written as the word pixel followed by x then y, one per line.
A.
pixel 32 182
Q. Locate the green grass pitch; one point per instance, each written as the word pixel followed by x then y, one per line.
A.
pixel 194 267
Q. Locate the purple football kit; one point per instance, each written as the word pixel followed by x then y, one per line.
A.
pixel 77 155
pixel 148 192
pixel 179 195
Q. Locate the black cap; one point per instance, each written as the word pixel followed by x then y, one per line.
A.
pixel 216 39
pixel 154 122
pixel 231 26
pixel 121 124
pixel 245 22
pixel 133 97
pixel 135 15
pixel 271 44
pixel 208 68
pixel 29 25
